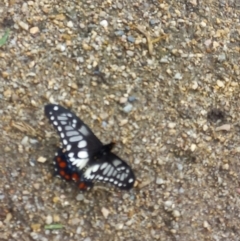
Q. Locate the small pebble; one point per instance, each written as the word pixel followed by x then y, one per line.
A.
pixel 42 159
pixel 36 227
pixel 164 60
pixel 131 98
pixel 168 204
pixel 176 214
pixel 80 197
pixel 8 218
pixel 36 186
pixel 56 218
pixel 23 25
pixel 123 122
pixel 104 23
pixel 104 124
pixel 193 147
pixel 220 83
pixel 206 225
pixel 24 141
pixel 49 219
pixel 34 30
pixel 225 127
pixel 33 141
pixel 123 100
pixel 131 39
pixel 119 226
pixel 61 47
pixel 119 32
pixel 130 53
pixel 105 212
pixel 128 108
pixel 222 57
pixel 203 24
pixel 178 76
pixel 70 24
pixel 160 181
pixel 153 22
pixel 225 166
pixel 205 127
pixel 32 162
pixel 87 239
pixel 195 85
pixel 171 125
pixel 79 230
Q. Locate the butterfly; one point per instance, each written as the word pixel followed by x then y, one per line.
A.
pixel 84 158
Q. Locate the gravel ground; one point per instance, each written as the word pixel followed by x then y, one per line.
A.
pixel 161 78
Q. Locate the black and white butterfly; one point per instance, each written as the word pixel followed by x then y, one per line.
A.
pixel 84 158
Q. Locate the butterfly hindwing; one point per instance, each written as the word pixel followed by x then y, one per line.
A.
pixel 111 169
pixel 67 171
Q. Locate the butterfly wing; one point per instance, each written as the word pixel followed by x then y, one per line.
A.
pixel 64 168
pixel 111 169
pixel 77 138
pixel 69 172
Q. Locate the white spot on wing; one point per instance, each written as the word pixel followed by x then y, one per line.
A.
pixel 110 171
pixel 62 135
pixel 72 133
pixel 80 163
pixel 68 128
pixel 68 148
pixel 106 170
pixel 82 144
pixel 75 138
pixel 59 128
pixel 116 162
pixel 130 180
pixel 52 117
pixel 122 177
pixel 114 173
pixel 65 142
pixel 74 121
pixel 84 130
pixel 91 170
pixel 55 123
pixel 69 114
pixel 62 118
pixel 55 108
pixel 82 154
pixel 70 154
pixel 104 165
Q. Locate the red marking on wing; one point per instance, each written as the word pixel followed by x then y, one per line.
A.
pixel 75 177
pixel 82 186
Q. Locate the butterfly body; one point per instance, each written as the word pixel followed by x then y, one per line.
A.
pixel 85 158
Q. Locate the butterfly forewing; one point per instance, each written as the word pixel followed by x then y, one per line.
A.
pixel 76 137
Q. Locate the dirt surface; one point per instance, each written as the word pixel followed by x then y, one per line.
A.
pixel 161 78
